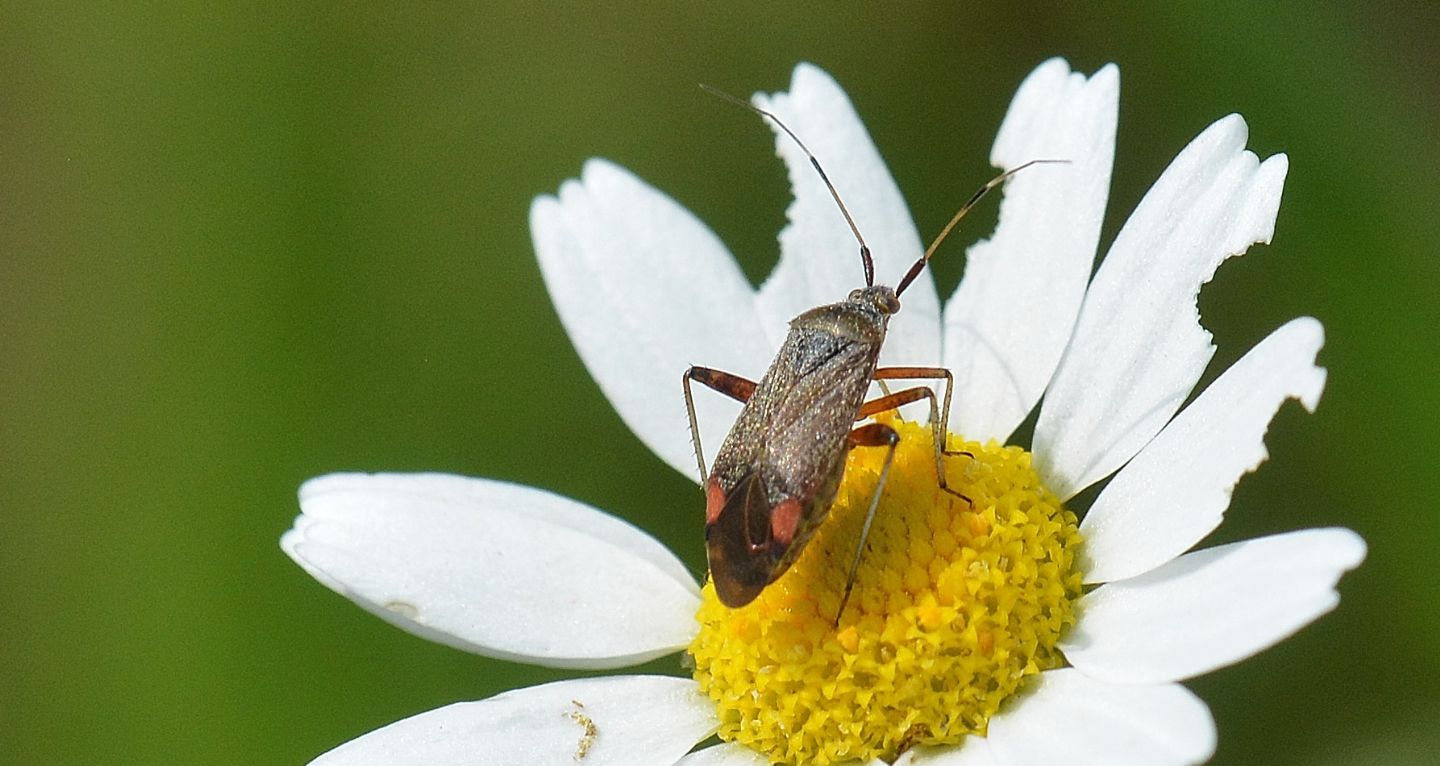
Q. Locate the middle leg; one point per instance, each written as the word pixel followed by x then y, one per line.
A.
pixel 939 416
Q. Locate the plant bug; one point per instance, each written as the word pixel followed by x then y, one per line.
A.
pixel 780 467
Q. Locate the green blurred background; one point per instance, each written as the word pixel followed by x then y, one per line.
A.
pixel 243 246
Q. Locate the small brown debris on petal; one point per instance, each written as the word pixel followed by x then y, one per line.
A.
pixel 587 737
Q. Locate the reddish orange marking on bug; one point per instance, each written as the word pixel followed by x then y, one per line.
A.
pixel 784 521
pixel 714 501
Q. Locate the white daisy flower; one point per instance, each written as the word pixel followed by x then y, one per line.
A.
pixel 981 633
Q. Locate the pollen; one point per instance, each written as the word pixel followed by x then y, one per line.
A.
pixel 954 605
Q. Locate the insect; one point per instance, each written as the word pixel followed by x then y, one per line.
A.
pixel 779 469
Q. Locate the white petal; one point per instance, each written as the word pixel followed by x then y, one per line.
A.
pixel 498 569
pixel 1009 320
pixel 724 754
pixel 1138 346
pixel 636 720
pixel 645 290
pixel 1076 720
pixel 972 751
pixel 1177 489
pixel 1211 608
pixel 819 259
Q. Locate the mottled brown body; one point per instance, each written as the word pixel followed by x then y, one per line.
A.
pixel 779 469
pixel 777 473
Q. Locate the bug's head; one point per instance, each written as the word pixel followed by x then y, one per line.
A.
pixel 879 297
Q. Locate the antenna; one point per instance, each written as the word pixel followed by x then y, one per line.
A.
pixel 864 248
pixel 965 208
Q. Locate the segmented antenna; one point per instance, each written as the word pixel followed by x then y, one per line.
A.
pixel 965 208
pixel 864 248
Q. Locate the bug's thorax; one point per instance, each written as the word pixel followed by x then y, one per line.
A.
pixel 861 317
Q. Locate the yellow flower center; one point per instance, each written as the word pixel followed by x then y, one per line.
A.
pixel 954 605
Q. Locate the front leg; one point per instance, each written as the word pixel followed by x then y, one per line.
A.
pixel 737 388
pixel 925 373
pixel 939 415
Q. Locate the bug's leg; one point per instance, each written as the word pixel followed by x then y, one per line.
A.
pixel 885 391
pixel 894 401
pixel 869 435
pixel 737 388
pixel 939 415
pixel 942 423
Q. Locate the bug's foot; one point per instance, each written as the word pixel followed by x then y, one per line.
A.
pixel 960 495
